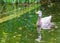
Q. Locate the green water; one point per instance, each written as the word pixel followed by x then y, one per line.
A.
pixel 23 29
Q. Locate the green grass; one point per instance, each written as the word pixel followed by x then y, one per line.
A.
pixel 23 29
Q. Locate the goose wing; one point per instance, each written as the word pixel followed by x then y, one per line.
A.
pixel 45 22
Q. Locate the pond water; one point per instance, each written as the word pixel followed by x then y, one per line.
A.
pixel 23 29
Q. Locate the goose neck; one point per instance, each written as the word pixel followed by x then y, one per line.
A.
pixel 39 17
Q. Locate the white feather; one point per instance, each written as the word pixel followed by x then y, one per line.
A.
pixel 46 21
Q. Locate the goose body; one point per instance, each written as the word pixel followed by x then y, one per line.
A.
pixel 46 22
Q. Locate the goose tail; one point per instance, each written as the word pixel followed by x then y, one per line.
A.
pixel 50 16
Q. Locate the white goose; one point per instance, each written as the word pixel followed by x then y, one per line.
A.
pixel 43 23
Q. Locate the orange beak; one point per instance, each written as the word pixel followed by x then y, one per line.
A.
pixel 36 12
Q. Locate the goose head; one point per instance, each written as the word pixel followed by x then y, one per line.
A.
pixel 39 13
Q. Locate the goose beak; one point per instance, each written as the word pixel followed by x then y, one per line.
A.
pixel 36 12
